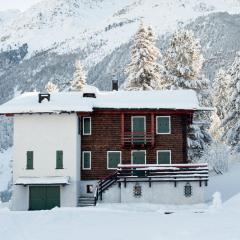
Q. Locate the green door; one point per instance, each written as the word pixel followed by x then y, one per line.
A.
pixel 138 157
pixel 44 197
pixel 138 129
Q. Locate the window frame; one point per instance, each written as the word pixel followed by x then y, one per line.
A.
pixel 83 124
pixel 145 151
pixel 59 168
pixel 83 165
pixel 170 123
pixel 170 151
pixel 27 168
pixel 108 168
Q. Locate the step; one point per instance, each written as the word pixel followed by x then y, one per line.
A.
pixel 86 205
pixel 86 201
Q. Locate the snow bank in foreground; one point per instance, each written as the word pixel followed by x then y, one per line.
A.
pixel 233 204
pixel 115 223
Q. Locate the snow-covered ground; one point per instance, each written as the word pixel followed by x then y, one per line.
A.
pixel 123 222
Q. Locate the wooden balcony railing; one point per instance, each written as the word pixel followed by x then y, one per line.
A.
pixel 138 138
pixel 163 173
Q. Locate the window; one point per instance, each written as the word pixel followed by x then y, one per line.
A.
pixel 87 129
pixel 139 157
pixel 188 190
pixel 164 157
pixel 163 125
pixel 139 129
pixel 113 159
pixel 59 160
pixel 86 160
pixel 89 188
pixel 29 159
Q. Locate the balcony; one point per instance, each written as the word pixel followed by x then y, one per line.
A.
pixel 138 139
pixel 163 173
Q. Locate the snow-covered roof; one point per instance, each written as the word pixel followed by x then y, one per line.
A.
pixel 75 102
pixel 42 180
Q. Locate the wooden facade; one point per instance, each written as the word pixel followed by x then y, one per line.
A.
pixel 108 129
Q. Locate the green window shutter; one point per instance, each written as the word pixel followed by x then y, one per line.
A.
pixel 163 125
pixel 59 160
pixel 164 157
pixel 86 160
pixel 114 158
pixel 87 126
pixel 29 159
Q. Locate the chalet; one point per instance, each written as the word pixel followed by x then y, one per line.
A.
pixel 79 148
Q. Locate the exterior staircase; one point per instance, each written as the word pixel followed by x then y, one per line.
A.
pixel 86 201
pixel 103 185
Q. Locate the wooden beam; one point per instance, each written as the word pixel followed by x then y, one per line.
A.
pixel 122 129
pixel 152 129
pixel 144 111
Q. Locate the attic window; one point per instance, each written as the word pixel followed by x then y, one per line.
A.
pixel 42 96
pixel 89 95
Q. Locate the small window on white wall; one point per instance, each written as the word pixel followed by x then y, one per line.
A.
pixel 86 160
pixel 89 188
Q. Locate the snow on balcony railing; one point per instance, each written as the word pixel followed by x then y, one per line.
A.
pixel 164 172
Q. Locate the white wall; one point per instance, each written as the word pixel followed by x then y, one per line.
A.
pixel 45 134
pixel 159 193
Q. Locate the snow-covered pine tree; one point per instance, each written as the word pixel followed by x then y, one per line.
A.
pixel 79 78
pixel 184 60
pixel 220 98
pixel 183 63
pixel 221 92
pixel 51 87
pixel 231 122
pixel 144 73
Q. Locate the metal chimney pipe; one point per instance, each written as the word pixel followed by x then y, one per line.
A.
pixel 114 85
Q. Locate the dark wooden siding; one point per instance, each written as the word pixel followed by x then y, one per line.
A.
pixel 106 136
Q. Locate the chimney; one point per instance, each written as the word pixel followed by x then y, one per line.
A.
pixel 42 96
pixel 114 85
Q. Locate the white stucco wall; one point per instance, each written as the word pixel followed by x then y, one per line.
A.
pixel 44 135
pixel 159 193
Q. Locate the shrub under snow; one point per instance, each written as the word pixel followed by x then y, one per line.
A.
pixel 217 155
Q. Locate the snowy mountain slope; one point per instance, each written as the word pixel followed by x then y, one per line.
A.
pixel 6 17
pixel 219 36
pixel 63 26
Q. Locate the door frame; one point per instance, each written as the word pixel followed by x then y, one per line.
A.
pixel 138 151
pixel 144 117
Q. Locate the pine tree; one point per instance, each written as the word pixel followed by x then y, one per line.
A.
pixel 221 92
pixel 183 63
pixel 220 99
pixel 79 78
pixel 144 73
pixel 231 122
pixel 51 87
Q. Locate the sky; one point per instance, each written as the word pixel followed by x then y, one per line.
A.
pixel 17 4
